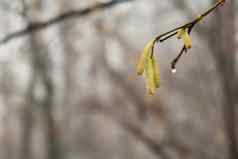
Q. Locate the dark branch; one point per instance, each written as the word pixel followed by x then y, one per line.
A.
pixel 154 146
pixel 190 25
pixel 36 26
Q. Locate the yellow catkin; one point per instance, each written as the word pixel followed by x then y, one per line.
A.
pixel 180 33
pixel 150 76
pixel 156 69
pixel 183 33
pixel 143 58
pixel 187 40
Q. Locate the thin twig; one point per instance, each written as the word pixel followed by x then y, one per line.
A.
pixel 190 25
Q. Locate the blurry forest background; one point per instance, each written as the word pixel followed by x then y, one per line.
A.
pixel 69 89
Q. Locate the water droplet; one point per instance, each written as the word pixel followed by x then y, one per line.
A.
pixel 174 71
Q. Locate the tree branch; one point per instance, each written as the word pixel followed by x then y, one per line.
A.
pixel 156 148
pixel 190 15
pixel 189 26
pixel 36 26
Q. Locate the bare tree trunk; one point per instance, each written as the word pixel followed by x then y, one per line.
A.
pixel 41 73
pixel 41 65
pixel 223 45
pixel 6 89
pixel 27 118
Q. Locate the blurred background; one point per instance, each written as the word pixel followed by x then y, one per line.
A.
pixel 69 90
